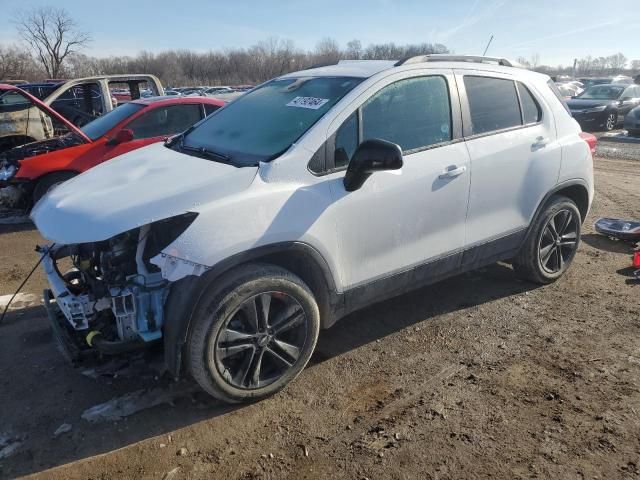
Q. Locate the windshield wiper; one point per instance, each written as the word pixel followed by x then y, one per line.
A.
pixel 205 152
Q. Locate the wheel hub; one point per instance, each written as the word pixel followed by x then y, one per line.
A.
pixel 261 340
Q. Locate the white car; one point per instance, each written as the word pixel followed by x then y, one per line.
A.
pixel 313 195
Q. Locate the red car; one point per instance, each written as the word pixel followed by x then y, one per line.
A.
pixel 38 166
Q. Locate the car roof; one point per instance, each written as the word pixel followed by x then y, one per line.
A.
pixel 175 100
pixel 41 84
pixel 369 68
pixel 351 68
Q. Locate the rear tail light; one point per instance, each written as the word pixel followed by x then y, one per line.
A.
pixel 591 141
pixel 636 260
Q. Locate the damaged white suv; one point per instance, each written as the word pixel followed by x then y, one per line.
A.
pixel 311 196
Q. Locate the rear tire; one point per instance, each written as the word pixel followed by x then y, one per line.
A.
pixel 252 333
pixel 552 242
pixel 48 182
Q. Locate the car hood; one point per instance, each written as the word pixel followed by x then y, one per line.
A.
pixel 135 189
pixel 41 147
pixel 581 104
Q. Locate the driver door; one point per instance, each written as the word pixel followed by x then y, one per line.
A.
pixel 404 227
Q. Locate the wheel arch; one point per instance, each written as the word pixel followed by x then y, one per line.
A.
pixel 576 190
pixel 299 258
pixel 54 172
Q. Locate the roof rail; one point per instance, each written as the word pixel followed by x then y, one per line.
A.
pixel 455 58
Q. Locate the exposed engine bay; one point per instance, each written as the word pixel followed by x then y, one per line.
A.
pixel 113 297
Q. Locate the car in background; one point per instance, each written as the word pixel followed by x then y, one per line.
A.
pixel 632 122
pixel 622 80
pixel 604 106
pixel 217 90
pixel 569 90
pixel 82 100
pixel 40 90
pixel 36 167
pixel 590 81
pixel 24 118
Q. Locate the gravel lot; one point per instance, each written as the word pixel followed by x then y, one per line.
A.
pixel 479 376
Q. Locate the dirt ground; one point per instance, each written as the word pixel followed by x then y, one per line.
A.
pixel 480 376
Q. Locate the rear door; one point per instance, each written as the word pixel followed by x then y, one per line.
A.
pixel 515 159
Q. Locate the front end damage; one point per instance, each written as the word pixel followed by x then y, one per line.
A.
pixel 108 297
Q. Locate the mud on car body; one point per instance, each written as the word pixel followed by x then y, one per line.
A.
pixel 313 195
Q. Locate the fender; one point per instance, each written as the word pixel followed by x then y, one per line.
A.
pixel 185 294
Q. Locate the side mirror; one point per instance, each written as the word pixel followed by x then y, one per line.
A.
pixel 123 136
pixel 371 156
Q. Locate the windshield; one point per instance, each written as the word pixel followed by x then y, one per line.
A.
pixel 266 121
pixel 101 125
pixel 602 92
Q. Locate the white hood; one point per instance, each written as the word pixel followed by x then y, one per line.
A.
pixel 140 187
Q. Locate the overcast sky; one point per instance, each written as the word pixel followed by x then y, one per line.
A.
pixel 558 30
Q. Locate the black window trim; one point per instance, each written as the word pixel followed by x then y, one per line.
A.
pixel 455 114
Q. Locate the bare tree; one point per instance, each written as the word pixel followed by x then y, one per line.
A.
pixel 327 51
pixel 16 64
pixel 535 61
pixel 617 61
pixel 354 50
pixel 52 35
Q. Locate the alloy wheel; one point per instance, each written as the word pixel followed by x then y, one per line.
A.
pixel 558 241
pixel 611 121
pixel 261 340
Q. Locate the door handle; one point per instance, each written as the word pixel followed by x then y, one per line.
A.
pixel 540 142
pixel 452 171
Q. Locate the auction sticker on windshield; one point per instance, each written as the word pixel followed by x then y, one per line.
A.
pixel 307 102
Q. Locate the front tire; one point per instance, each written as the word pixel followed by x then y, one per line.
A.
pixel 552 242
pixel 253 332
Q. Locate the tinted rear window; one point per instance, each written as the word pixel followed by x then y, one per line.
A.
pixel 493 103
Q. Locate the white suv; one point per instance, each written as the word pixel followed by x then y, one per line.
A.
pixel 313 195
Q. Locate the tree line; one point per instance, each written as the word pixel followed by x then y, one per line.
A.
pixel 252 65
